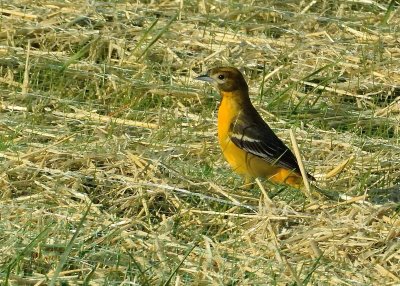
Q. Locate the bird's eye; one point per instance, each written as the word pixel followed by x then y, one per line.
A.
pixel 221 76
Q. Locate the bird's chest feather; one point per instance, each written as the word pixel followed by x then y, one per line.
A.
pixel 227 114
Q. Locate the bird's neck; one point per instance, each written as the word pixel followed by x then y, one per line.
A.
pixel 241 97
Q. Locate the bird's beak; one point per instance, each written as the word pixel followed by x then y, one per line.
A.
pixel 204 77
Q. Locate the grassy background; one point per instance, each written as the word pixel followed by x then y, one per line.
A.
pixel 110 172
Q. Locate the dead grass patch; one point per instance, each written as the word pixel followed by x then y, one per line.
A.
pixel 99 109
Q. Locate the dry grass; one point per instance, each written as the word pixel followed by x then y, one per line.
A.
pixel 110 171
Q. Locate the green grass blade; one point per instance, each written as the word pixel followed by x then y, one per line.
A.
pixel 313 268
pixel 158 36
pixel 280 96
pixel 78 55
pixel 388 12
pixel 89 276
pixel 28 248
pixel 166 283
pixel 141 40
pixel 68 249
pixel 145 281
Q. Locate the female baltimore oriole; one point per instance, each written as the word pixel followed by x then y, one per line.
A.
pixel 247 142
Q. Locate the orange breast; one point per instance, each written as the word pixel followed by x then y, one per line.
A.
pixel 235 156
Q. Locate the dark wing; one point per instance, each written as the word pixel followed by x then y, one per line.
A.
pixel 251 133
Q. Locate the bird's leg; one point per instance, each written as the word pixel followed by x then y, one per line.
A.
pixel 248 183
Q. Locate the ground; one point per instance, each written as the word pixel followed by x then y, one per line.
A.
pixel 110 170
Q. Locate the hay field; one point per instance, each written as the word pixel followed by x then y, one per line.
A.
pixel 110 171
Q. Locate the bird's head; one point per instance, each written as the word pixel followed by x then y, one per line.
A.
pixel 226 79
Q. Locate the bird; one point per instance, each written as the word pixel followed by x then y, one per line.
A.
pixel 248 144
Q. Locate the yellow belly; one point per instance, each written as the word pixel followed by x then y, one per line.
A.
pixel 244 163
